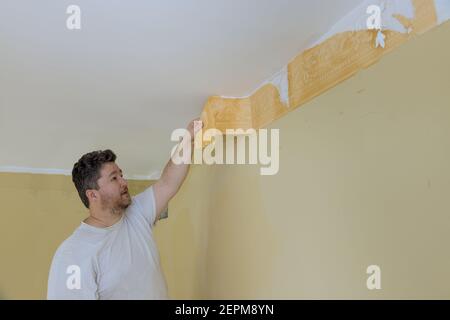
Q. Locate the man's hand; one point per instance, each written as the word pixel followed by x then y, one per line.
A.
pixel 194 127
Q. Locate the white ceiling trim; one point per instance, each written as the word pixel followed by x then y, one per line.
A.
pixel 12 169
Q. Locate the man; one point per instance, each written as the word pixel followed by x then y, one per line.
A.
pixel 112 254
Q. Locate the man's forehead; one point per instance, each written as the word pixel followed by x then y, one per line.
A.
pixel 109 168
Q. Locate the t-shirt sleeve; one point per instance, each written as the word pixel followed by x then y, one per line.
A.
pixel 146 205
pixel 70 279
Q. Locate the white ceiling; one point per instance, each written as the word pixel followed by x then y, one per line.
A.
pixel 135 71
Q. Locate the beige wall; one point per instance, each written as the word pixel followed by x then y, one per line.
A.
pixel 364 179
pixel 38 212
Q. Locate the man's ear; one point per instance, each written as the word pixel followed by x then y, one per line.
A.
pixel 91 194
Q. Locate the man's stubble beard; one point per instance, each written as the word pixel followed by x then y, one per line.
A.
pixel 119 206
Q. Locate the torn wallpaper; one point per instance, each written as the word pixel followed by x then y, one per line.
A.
pixel 347 48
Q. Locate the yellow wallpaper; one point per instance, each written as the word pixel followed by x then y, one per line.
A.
pixel 340 57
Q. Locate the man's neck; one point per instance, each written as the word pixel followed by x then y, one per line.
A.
pixel 104 219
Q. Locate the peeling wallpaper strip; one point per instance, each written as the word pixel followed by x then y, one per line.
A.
pixel 340 53
pixel 347 48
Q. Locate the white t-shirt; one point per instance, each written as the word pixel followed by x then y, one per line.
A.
pixel 118 262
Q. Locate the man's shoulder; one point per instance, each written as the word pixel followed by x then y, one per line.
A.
pixel 78 244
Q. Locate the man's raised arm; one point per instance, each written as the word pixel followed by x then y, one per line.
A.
pixel 172 176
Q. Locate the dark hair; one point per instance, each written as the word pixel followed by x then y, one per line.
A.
pixel 86 171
